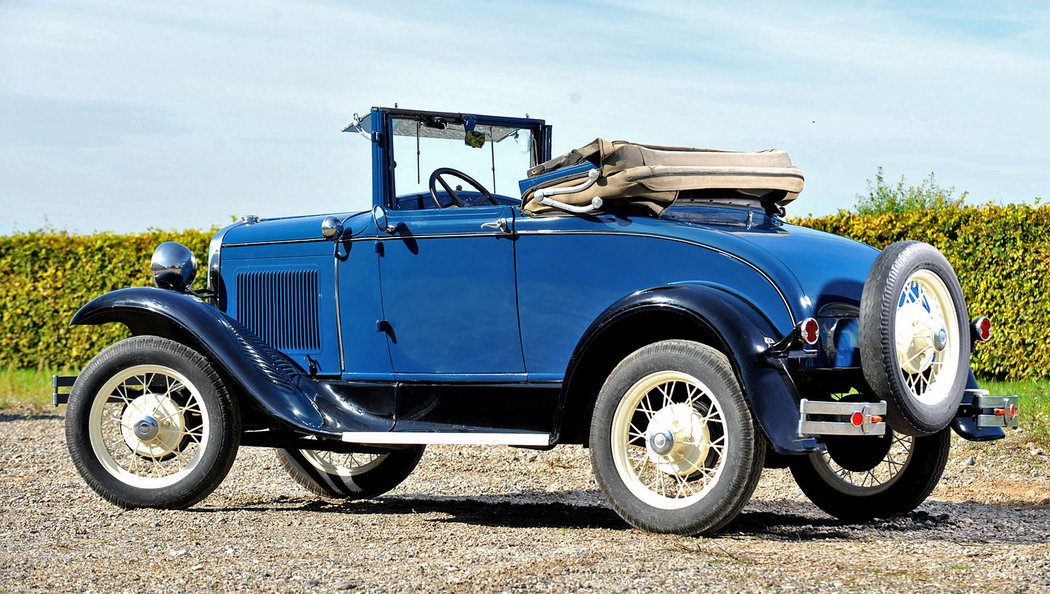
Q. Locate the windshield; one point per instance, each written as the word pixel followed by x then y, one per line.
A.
pixel 497 157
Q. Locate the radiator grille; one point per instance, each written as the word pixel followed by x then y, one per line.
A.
pixel 280 307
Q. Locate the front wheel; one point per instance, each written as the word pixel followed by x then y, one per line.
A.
pixel 349 475
pixel 149 424
pixel 861 478
pixel 673 444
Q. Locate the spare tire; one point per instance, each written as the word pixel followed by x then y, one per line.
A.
pixel 914 337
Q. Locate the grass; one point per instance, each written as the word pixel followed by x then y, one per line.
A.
pixel 1034 403
pixel 29 391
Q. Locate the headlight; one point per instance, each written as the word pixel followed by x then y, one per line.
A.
pixel 173 266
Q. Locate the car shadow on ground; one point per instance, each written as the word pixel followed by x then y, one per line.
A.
pixel 7 417
pixel 793 521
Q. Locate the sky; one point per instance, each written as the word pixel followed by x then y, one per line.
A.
pixel 127 115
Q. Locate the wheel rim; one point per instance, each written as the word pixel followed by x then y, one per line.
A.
pixel 148 426
pixel 927 334
pixel 873 480
pixel 669 440
pixel 342 464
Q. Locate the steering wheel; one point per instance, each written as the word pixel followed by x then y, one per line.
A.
pixel 436 178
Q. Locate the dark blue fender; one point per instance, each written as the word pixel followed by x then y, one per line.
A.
pixel 743 332
pixel 263 374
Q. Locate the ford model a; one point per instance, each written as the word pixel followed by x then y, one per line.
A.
pixel 649 303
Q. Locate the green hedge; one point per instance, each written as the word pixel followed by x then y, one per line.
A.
pixel 1002 257
pixel 48 276
pixel 1001 253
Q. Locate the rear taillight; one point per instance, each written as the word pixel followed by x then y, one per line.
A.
pixel 982 329
pixel 809 331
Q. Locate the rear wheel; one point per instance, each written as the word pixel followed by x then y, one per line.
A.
pixel 673 444
pixel 349 475
pixel 860 478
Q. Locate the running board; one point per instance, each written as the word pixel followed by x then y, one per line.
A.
pixel 435 438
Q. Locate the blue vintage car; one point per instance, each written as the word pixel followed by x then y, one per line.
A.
pixel 650 303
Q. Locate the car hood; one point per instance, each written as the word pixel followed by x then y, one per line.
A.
pixel 290 229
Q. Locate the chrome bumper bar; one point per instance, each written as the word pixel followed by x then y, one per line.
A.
pixel 819 417
pixel 994 411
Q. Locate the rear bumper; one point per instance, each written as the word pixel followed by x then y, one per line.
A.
pixel 981 417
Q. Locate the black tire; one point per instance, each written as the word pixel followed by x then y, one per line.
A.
pixel 312 470
pixel 86 428
pixel 740 461
pixel 847 501
pixel 883 290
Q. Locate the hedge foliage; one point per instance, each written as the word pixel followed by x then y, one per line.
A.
pixel 49 275
pixel 1001 254
pixel 1002 257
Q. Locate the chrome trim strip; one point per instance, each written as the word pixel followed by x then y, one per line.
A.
pixel 215 257
pixel 432 438
pixel 276 242
pixel 338 310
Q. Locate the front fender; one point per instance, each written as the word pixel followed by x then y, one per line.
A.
pixel 744 335
pixel 263 374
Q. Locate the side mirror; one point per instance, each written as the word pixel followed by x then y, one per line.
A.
pixel 381 220
pixel 332 228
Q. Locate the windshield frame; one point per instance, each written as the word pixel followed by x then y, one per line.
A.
pixel 380 128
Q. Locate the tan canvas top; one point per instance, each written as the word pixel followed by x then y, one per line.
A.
pixel 653 177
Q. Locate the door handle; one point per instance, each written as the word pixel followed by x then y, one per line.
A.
pixel 501 224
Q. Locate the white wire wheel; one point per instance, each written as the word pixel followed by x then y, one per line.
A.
pixel 349 475
pixel 926 337
pixel 914 337
pixel 846 475
pixel 861 478
pixel 150 424
pixel 682 413
pixel 343 464
pixel 673 444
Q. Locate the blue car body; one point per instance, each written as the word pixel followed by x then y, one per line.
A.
pixel 485 319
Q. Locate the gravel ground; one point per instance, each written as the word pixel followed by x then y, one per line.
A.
pixel 501 519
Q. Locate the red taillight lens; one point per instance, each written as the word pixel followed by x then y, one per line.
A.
pixel 982 329
pixel 809 331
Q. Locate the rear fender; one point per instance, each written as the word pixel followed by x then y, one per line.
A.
pixel 262 374
pixel 744 335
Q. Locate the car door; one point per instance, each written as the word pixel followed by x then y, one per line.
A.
pixel 449 295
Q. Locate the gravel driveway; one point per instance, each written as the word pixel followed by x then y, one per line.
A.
pixel 501 519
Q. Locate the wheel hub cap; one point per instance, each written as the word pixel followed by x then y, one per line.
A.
pixel 940 338
pixel 677 440
pixel 146 428
pixel 661 442
pixel 153 425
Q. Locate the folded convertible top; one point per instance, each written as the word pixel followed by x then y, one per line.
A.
pixel 653 177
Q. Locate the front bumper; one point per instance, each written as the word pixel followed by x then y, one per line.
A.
pixel 60 387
